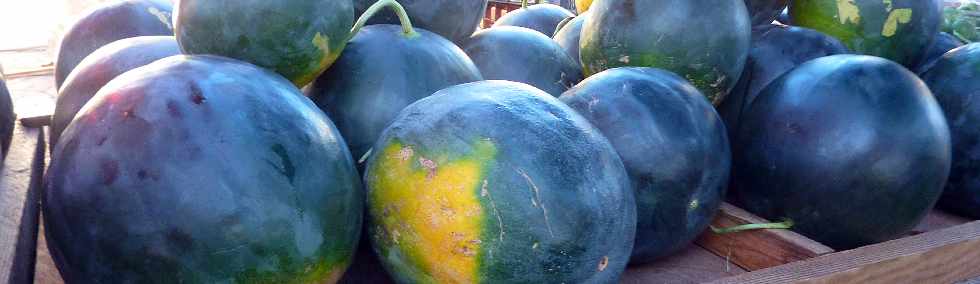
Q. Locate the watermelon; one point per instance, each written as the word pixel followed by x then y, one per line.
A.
pixel 298 39
pixel 102 66
pixel 201 169
pixel 944 43
pixel 383 69
pixel 763 12
pixel 704 41
pixel 455 20
pixel 582 5
pixel 107 23
pixel 955 79
pixel 523 55
pixel 776 49
pixel 900 30
pixel 498 182
pixel 568 35
pixel 853 149
pixel 543 18
pixel 7 118
pixel 673 145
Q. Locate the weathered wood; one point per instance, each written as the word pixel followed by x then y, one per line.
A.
pixel 45 271
pixel 36 121
pixel 937 220
pixel 942 256
pixel 692 265
pixel 757 249
pixel 43 71
pixel 19 195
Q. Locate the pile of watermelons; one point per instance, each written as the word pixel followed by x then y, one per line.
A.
pixel 273 140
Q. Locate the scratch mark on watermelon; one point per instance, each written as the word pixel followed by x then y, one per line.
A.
pixel 537 201
pixel 500 222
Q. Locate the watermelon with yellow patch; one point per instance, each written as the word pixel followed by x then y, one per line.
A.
pixel 298 39
pixel 498 182
pixel 899 30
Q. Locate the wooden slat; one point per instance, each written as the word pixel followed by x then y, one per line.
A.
pixel 937 220
pixel 757 249
pixel 692 265
pixel 36 121
pixel 47 70
pixel 942 256
pixel 19 207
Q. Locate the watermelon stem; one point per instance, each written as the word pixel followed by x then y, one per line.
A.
pixel 785 224
pixel 406 23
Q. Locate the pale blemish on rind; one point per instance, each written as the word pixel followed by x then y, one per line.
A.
pixel 162 16
pixel 430 210
pixel 322 43
pixel 848 12
pixel 896 17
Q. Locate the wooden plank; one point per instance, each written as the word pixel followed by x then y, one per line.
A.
pixel 43 71
pixel 45 271
pixel 19 207
pixel 36 121
pixel 943 256
pixel 758 249
pixel 937 220
pixel 692 265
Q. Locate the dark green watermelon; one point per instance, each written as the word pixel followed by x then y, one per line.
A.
pixel 944 43
pixel 381 71
pixel 568 36
pixel 108 23
pixel 498 182
pixel 776 49
pixel 543 18
pixel 763 12
pixel 201 169
pixel 296 38
pixel 852 148
pixel 455 20
pixel 673 145
pixel 523 55
pixel 955 79
pixel 99 68
pixel 899 30
pixel 704 41
pixel 7 118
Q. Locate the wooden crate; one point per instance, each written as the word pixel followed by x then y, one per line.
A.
pixel 943 249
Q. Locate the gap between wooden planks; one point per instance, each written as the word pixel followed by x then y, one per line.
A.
pixel 19 205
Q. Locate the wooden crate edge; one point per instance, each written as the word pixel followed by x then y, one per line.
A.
pixel 941 256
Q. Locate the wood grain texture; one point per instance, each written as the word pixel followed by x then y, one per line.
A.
pixel 19 207
pixel 942 256
pixel 757 249
pixel 692 265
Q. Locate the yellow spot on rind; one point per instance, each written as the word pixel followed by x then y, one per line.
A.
pixel 847 11
pixel 434 205
pixel 896 17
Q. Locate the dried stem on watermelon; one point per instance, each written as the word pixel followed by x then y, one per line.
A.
pixel 406 23
pixel 785 224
